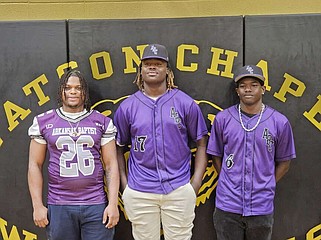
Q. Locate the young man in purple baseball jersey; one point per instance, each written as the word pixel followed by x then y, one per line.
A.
pixel 82 152
pixel 252 145
pixel 158 121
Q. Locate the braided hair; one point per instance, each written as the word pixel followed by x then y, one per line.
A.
pixel 169 78
pixel 83 83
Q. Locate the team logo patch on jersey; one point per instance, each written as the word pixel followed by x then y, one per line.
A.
pixel 268 139
pixel 176 117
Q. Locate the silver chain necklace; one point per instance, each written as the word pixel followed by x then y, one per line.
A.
pixel 257 123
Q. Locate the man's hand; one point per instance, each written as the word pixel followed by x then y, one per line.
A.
pixel 40 216
pixel 111 214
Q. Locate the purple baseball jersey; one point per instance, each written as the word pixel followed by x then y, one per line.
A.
pixel 247 179
pixel 75 171
pixel 158 132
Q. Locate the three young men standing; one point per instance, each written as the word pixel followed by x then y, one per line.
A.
pixel 251 144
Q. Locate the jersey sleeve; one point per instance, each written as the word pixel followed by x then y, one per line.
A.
pixel 122 125
pixel 109 134
pixel 285 149
pixel 195 123
pixel 34 132
pixel 215 141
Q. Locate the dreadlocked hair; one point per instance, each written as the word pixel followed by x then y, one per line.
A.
pixel 83 83
pixel 169 79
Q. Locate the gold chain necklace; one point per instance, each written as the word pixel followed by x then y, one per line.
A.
pixel 257 123
pixel 74 130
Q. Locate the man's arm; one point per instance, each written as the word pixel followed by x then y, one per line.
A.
pixel 37 155
pixel 109 157
pixel 217 162
pixel 200 164
pixel 281 168
pixel 122 167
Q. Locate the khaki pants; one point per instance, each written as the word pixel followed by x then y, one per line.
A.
pixel 148 211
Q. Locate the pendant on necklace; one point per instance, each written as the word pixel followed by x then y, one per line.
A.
pixel 74 133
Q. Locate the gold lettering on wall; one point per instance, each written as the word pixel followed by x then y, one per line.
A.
pixel 35 86
pixel 264 66
pixel 131 57
pixel 14 235
pixel 61 68
pixel 93 59
pixel 181 52
pixel 286 88
pixel 21 113
pixel 316 109
pixel 216 61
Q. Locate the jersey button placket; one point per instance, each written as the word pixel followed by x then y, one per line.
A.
pixel 159 149
pixel 248 171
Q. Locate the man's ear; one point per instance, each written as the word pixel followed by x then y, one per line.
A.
pixel 237 91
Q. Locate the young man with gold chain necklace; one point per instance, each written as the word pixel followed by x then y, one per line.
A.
pixel 82 154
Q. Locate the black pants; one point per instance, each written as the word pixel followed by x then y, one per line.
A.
pixel 231 226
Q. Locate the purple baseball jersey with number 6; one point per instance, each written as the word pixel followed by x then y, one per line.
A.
pixel 158 132
pixel 76 174
pixel 247 179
